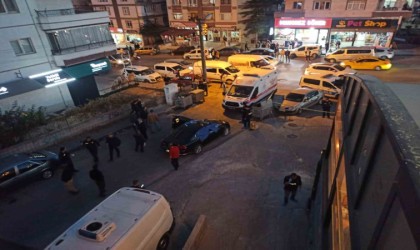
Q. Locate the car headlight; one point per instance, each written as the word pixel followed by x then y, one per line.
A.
pixel 343 64
pixel 119 61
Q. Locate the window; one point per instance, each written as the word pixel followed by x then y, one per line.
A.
pixel 103 1
pixel 22 46
pixel 209 70
pixel 193 16
pixel 311 81
pixel 356 5
pixel 26 166
pixel 176 2
pixel 226 16
pixel 297 5
pixel 109 10
pixel 160 67
pixel 192 2
pixel 8 6
pixel 323 5
pixel 100 8
pixel 128 24
pixel 126 11
pixel 389 3
pixel 111 23
pixel 209 15
pixel 178 16
pixel 225 2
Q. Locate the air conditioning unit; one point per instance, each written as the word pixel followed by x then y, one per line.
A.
pixel 97 230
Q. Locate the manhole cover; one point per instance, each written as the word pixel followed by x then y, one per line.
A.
pixel 292 136
pixel 292 124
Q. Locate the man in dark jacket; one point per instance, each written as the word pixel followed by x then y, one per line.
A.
pixel 139 138
pixel 67 178
pixel 246 115
pixel 326 107
pixel 92 146
pixel 291 184
pixel 99 179
pixel 65 160
pixel 113 144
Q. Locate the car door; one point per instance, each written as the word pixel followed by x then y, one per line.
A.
pixel 300 52
pixel 161 70
pixel 212 74
pixel 27 170
pixel 196 54
pixel 371 63
pixel 213 130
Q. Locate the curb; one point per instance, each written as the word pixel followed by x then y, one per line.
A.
pixel 196 234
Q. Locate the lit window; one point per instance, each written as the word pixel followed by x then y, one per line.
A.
pixel 128 24
pixel 209 15
pixel 8 6
pixel 103 1
pixel 356 5
pixel 390 3
pixel 100 8
pixel 225 2
pixel 297 5
pixel 22 46
pixel 176 2
pixel 225 16
pixel 178 16
pixel 324 5
pixel 192 2
pixel 109 10
pixel 126 11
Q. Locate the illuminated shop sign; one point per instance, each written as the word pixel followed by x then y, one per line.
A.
pixel 52 78
pixel 364 23
pixel 302 23
pixel 98 66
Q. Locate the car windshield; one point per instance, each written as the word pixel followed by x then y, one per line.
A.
pixel 294 97
pixel 232 69
pixel 146 72
pixel 186 131
pixel 240 91
pixel 339 67
pixel 259 63
pixel 178 68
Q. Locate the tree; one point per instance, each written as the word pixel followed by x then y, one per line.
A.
pixel 259 16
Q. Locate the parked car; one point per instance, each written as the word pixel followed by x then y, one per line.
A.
pixel 146 51
pixel 299 99
pixel 196 54
pixel 25 166
pixel 119 60
pixel 272 60
pixel 182 50
pixel 192 135
pixel 182 81
pixel 170 70
pixel 228 51
pixel 181 62
pixel 328 68
pixel 143 74
pixel 368 62
pixel 301 51
pixel 262 51
pixel 384 53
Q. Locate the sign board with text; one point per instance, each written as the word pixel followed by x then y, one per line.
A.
pixel 304 23
pixel 371 23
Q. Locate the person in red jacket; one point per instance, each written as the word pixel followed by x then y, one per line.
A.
pixel 174 155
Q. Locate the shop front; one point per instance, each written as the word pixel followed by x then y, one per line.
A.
pixel 363 32
pixel 301 30
pixel 122 39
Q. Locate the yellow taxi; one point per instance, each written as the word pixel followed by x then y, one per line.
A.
pixel 367 62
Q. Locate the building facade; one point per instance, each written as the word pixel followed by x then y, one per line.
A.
pixel 43 41
pixel 127 18
pixel 352 22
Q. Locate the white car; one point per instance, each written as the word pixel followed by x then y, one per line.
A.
pixel 143 74
pixel 299 99
pixel 170 69
pixel 328 68
pixel 196 54
pixel 272 60
pixel 384 53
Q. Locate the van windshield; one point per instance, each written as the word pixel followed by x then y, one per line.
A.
pixel 232 69
pixel 146 72
pixel 240 91
pixel 294 97
pixel 178 68
pixel 259 63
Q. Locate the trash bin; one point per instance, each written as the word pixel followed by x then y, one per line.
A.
pixel 263 110
pixel 183 101
pixel 197 95
pixel 170 92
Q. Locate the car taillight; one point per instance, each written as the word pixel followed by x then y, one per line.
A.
pixel 182 147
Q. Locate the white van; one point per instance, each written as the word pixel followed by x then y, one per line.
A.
pixel 301 51
pixel 169 69
pixel 349 53
pixel 252 87
pixel 130 218
pixel 196 54
pixel 143 74
pixel 250 61
pixel 216 69
pixel 329 84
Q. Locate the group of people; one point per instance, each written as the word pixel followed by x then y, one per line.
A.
pixel 215 54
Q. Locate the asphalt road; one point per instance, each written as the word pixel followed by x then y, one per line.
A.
pixel 236 182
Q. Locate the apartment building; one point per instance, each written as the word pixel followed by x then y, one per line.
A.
pixel 221 18
pixel 127 17
pixel 352 22
pixel 50 54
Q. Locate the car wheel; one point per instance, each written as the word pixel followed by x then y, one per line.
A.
pixel 377 68
pixel 333 60
pixel 226 131
pixel 146 81
pixel 229 82
pixel 163 242
pixel 47 174
pixel 187 57
pixel 198 149
pixel 293 56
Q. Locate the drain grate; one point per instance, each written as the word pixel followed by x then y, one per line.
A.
pixel 292 136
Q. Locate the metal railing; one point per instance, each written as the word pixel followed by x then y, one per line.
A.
pixel 60 12
pixel 62 51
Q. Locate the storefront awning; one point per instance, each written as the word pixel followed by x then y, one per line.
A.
pixel 183 24
pixel 177 32
pixel 18 87
pixel 89 68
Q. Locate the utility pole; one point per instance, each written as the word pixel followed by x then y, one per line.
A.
pixel 203 57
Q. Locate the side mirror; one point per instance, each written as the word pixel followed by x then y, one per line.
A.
pixel 224 93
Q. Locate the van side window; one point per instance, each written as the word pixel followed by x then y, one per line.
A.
pixel 301 49
pixel 255 93
pixel 160 67
pixel 311 81
pixel 328 85
pixel 352 51
pixel 222 71
pixel 210 70
pixel 339 52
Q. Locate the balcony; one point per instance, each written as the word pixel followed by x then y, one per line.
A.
pixel 67 18
pixel 392 12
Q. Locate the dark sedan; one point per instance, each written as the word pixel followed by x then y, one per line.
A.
pixel 182 50
pixel 228 51
pixel 262 51
pixel 192 135
pixel 20 167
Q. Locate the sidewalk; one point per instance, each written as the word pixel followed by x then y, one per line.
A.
pixel 407 52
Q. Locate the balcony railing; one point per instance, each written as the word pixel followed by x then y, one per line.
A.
pixel 62 12
pixel 70 50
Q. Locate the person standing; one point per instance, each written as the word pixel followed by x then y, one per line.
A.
pixel 174 155
pixel 113 144
pixel 153 121
pixel 136 184
pixel 246 116
pixel 92 146
pixel 327 47
pixel 65 160
pixel 139 139
pixel 96 175
pixel 217 53
pixel 67 178
pixel 326 107
pixel 308 55
pixel 291 184
pixel 282 53
pixel 246 46
pixel 337 44
pixel 287 56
